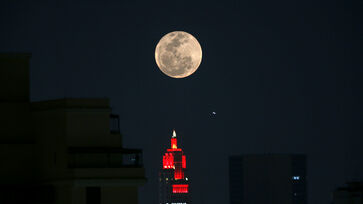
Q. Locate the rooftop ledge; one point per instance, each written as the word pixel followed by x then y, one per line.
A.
pixel 15 55
pixel 70 103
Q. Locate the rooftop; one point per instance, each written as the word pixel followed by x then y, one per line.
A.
pixel 70 103
pixel 15 55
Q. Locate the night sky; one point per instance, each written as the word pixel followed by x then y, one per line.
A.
pixel 282 76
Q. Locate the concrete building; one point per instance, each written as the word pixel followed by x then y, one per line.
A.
pixel 351 193
pixel 61 151
pixel 267 179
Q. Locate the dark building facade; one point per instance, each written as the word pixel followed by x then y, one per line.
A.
pixel 267 179
pixel 173 180
pixel 64 151
pixel 351 193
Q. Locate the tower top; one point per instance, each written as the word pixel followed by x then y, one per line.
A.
pixel 174 134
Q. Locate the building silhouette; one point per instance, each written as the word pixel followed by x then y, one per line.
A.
pixel 351 193
pixel 65 151
pixel 267 179
pixel 173 180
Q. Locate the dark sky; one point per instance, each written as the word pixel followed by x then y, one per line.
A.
pixel 283 76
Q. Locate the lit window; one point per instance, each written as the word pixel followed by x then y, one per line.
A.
pixel 178 174
pixel 168 161
pixel 296 178
pixel 180 188
pixel 184 163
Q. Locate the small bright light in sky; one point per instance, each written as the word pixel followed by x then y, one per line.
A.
pixel 214 113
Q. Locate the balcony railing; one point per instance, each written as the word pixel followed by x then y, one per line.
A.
pixel 103 157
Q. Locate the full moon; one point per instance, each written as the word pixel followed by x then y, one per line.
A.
pixel 178 54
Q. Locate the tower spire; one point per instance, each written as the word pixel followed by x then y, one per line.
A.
pixel 174 141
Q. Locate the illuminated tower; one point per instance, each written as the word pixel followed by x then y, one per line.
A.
pixel 173 180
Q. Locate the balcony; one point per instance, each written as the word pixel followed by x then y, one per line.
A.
pixel 114 124
pixel 104 157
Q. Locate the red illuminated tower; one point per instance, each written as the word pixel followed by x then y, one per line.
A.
pixel 173 180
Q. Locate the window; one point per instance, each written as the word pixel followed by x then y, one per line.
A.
pixel 180 188
pixel 296 178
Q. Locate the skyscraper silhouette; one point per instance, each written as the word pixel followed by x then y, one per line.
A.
pixel 350 193
pixel 267 179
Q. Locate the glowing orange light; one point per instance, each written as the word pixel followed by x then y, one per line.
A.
pixel 174 143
